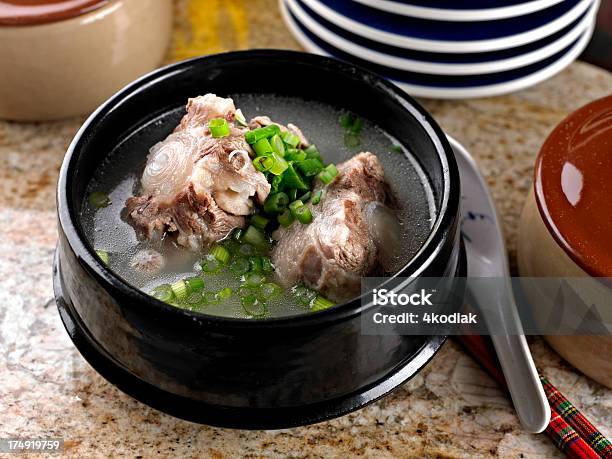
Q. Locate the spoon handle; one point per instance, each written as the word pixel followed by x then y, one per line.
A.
pixel 515 358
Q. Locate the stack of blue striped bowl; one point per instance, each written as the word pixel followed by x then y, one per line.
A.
pixel 444 49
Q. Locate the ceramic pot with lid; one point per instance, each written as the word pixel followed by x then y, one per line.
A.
pixel 61 58
pixel 566 232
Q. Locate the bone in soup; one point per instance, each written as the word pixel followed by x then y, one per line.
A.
pixel 278 213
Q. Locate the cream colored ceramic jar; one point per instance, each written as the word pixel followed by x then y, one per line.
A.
pixel 565 232
pixel 67 67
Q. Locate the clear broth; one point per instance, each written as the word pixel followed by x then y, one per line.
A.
pixel 119 177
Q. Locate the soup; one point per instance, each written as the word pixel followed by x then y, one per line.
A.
pixel 234 278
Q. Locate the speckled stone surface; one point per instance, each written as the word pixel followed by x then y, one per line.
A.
pixel 451 409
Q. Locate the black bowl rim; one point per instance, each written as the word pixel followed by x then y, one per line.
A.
pixel 429 250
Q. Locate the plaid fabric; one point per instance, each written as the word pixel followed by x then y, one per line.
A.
pixel 567 440
pixel 600 444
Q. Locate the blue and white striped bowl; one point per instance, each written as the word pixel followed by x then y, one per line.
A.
pixel 447 74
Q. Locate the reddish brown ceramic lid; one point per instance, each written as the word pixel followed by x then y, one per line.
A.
pixel 573 186
pixel 30 12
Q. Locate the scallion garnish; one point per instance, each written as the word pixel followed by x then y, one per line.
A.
pixel 103 256
pixel 262 147
pixel 303 294
pixel 263 163
pixel 256 264
pixel 266 265
pixel 224 293
pixel 98 200
pixel 396 148
pixel 279 166
pixel 276 203
pixel 253 306
pixel 320 303
pixel 194 284
pixel 270 289
pixel 357 126
pixel 210 297
pixel 246 250
pixel 310 167
pixel 316 198
pixel 218 127
pixel 180 290
pixel 239 118
pixel 305 197
pixel 259 221
pixel 277 145
pixel 328 174
pixel 286 218
pixel 220 253
pixel 255 236
pixel 261 133
pixel 303 214
pixel 351 140
pixel 210 264
pixel 292 194
pixel 240 266
pixel 293 154
pixel 163 293
pixel 346 121
pixel 293 180
pixel 294 205
pixel 253 279
pixel 312 152
pixel 290 139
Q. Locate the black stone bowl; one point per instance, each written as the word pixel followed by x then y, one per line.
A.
pixel 238 373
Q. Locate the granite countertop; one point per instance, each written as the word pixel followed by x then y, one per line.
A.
pixel 450 409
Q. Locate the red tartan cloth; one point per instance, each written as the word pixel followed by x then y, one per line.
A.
pixel 567 439
pixel 571 432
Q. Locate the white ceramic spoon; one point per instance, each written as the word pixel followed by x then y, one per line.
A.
pixel 486 257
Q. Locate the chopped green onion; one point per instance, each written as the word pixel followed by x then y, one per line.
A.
pixel 261 133
pixel 303 214
pixel 351 140
pixel 396 149
pixel 279 166
pixel 180 290
pixel 237 234
pixel 259 221
pixel 210 264
pixel 310 167
pixel 295 204
pixel 224 293
pixel 286 218
pixel 357 126
pixel 163 293
pixel 346 121
pixel 194 284
pixel 276 203
pixel 316 198
pixel 97 199
pixel 292 179
pixel 262 147
pixel 303 294
pixel 239 118
pixel 277 145
pixel 218 127
pixel 292 194
pixel 305 197
pixel 253 307
pixel 263 163
pixel 290 139
pixel 320 303
pixel 312 152
pixel 246 250
pixel 328 174
pixel 255 236
pixel 256 264
pixel 103 256
pixel 194 299
pixel 270 289
pixel 276 183
pixel 240 266
pixel 293 154
pixel 266 265
pixel 254 279
pixel 220 253
pixel 210 297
